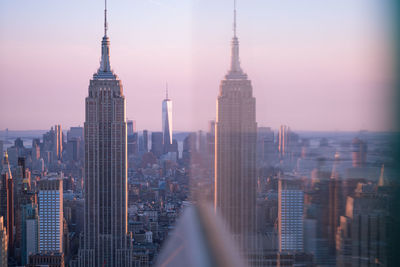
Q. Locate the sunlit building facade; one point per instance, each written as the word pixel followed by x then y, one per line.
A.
pixel 51 215
pixel 290 216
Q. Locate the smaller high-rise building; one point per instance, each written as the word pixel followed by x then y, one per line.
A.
pixel 157 143
pixel 131 127
pixel 50 198
pixel 283 140
pixel 30 232
pixel 290 215
pixel 75 133
pixel 145 141
pixel 7 202
pixel 58 142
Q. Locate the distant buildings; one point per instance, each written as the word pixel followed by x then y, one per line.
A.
pixel 362 234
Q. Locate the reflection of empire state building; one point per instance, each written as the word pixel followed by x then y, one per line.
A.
pixel 105 240
pixel 235 149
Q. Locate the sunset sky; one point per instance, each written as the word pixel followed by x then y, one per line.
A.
pixel 314 65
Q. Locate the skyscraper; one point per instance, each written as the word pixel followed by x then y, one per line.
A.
pixel 290 215
pixel 30 231
pixel 58 142
pixel 235 149
pixel 7 202
pixel 3 244
pixel 131 127
pixel 105 239
pixel 50 198
pixel 157 143
pixel 283 140
pixel 167 121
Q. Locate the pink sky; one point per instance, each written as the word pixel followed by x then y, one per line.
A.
pixel 313 66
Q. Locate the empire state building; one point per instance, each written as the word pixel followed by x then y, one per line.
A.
pixel 105 241
pixel 235 150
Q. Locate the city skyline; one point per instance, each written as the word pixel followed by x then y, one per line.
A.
pixel 237 194
pixel 349 95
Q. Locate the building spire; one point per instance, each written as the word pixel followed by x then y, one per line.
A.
pixel 235 71
pixel 234 18
pixel 105 18
pixel 166 91
pixel 105 47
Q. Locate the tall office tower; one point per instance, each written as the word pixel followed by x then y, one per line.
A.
pixel 75 133
pixel 359 153
pixel 145 140
pixel 3 244
pixel 132 144
pixel 265 146
pixel 7 202
pixel 30 232
pixel 50 198
pixel 335 207
pixel 58 142
pixel 105 239
pixel 157 143
pixel 131 127
pixel 290 215
pixel 167 122
pixel 20 183
pixel 283 140
pixel 211 138
pixel 235 149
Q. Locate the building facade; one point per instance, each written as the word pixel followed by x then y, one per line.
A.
pixel 290 216
pixel 51 215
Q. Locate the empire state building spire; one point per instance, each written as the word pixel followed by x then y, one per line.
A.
pixel 236 71
pixel 105 68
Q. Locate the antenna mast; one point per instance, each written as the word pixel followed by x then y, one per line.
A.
pixel 105 18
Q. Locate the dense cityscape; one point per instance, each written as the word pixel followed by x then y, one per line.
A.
pixel 110 193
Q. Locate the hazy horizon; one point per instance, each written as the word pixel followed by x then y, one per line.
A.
pixel 320 66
